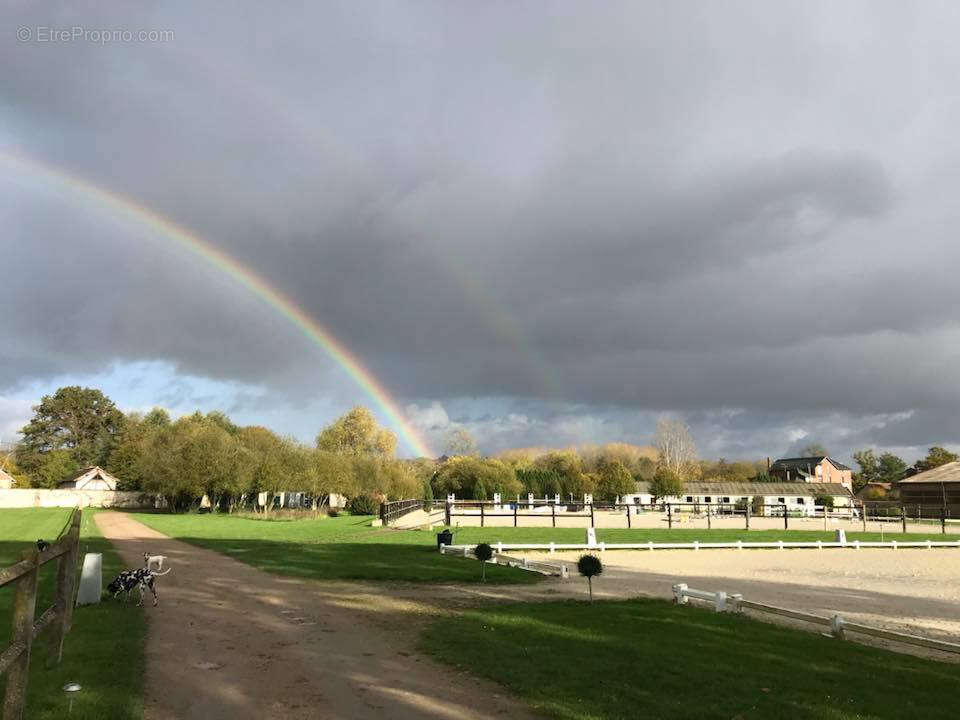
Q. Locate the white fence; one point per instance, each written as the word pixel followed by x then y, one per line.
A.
pixel 696 545
pixel 734 602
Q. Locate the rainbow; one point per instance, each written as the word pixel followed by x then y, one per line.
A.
pixel 125 208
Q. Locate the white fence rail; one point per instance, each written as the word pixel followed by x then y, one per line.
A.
pixel 696 545
pixel 734 602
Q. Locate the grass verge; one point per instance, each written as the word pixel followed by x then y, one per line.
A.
pixel 650 659
pixel 104 651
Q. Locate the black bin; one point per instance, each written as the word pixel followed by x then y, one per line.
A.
pixel 444 538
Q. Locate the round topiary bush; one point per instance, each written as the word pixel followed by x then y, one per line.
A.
pixel 483 552
pixel 589 566
pixel 363 505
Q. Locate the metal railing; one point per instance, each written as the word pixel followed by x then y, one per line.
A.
pixel 15 658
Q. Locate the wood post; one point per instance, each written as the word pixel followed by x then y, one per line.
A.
pixel 903 516
pixel 515 513
pixel 66 585
pixel 553 513
pixel 24 609
pixel 943 521
pixel 446 518
pixel 591 514
pixel 863 514
pixel 669 517
pixel 747 514
pixel 481 513
pixel 629 521
pixel 709 526
pixel 784 516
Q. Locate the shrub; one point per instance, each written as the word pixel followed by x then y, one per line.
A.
pixel 363 505
pixel 333 512
pixel 824 501
pixel 483 552
pixel 589 566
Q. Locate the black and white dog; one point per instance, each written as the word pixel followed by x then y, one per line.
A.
pixel 141 578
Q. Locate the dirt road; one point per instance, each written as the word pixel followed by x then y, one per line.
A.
pixel 231 642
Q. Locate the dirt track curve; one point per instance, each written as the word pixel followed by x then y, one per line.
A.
pixel 231 642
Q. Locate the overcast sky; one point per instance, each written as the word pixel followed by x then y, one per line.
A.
pixel 547 222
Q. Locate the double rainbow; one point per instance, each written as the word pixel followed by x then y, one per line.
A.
pixel 85 192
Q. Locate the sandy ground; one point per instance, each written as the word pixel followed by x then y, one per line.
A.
pixel 907 590
pixel 229 641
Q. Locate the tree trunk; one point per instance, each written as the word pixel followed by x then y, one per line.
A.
pixel 483 570
pixel 590 585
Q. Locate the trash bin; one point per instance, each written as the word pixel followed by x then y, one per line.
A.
pixel 444 538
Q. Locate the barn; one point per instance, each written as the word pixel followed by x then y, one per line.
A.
pixel 93 478
pixel 937 488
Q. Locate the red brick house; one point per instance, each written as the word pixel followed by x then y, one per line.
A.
pixel 817 469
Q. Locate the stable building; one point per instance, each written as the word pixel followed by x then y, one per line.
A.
pixel 799 497
pixel 93 478
pixel 939 487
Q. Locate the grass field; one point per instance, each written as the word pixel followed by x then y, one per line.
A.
pixel 651 659
pixel 103 652
pixel 341 548
pixel 347 548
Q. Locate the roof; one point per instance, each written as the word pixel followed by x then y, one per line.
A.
pixel 949 473
pixel 800 463
pixel 89 474
pixel 6 478
pixel 748 488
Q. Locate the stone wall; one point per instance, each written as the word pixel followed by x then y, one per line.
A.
pixel 33 497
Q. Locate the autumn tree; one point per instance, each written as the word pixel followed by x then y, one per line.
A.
pixel 357 433
pixel 467 476
pixel 614 481
pixel 666 483
pixel 675 448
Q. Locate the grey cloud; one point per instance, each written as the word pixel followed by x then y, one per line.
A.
pixel 625 209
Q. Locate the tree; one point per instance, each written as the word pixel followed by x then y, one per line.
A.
pixel 124 459
pixel 814 449
pixel 483 552
pixel 614 481
pixel 665 483
pixel 357 433
pixel 890 468
pixel 569 468
pixel 466 476
pixel 460 442
pixel 540 481
pixel 55 466
pixel 427 495
pixel 589 566
pixel 81 421
pixel 675 448
pixel 936 457
pixel 869 468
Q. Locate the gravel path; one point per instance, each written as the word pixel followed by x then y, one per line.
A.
pixel 230 642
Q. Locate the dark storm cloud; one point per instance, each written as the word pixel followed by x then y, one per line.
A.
pixel 627 208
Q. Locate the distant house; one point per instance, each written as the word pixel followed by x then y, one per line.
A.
pixel 6 480
pixel 938 487
pixel 94 478
pixel 797 496
pixel 816 469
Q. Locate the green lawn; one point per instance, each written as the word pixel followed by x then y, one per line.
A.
pixel 347 548
pixel 341 548
pixel 650 659
pixel 104 650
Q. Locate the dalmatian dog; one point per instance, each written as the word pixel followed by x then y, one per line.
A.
pixel 142 578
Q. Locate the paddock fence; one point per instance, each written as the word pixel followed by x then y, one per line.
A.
pixel 839 626
pixel 601 546
pixel 24 575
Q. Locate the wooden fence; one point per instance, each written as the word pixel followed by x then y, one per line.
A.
pixel 15 659
pixel 393 511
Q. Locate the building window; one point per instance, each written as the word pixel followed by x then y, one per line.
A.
pixel 799 501
pixel 706 498
pixel 780 500
pixel 726 500
pixel 689 498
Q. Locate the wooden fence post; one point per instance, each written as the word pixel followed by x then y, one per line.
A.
pixel 863 514
pixel 481 513
pixel 629 522
pixel 747 513
pixel 553 513
pixel 903 516
pixel 591 514
pixel 669 517
pixel 24 609
pixel 784 516
pixel 66 582
pixel 447 514
pixel 943 521
pixel 709 526
pixel 515 513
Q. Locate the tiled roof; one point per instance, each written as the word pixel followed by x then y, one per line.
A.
pixel 802 463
